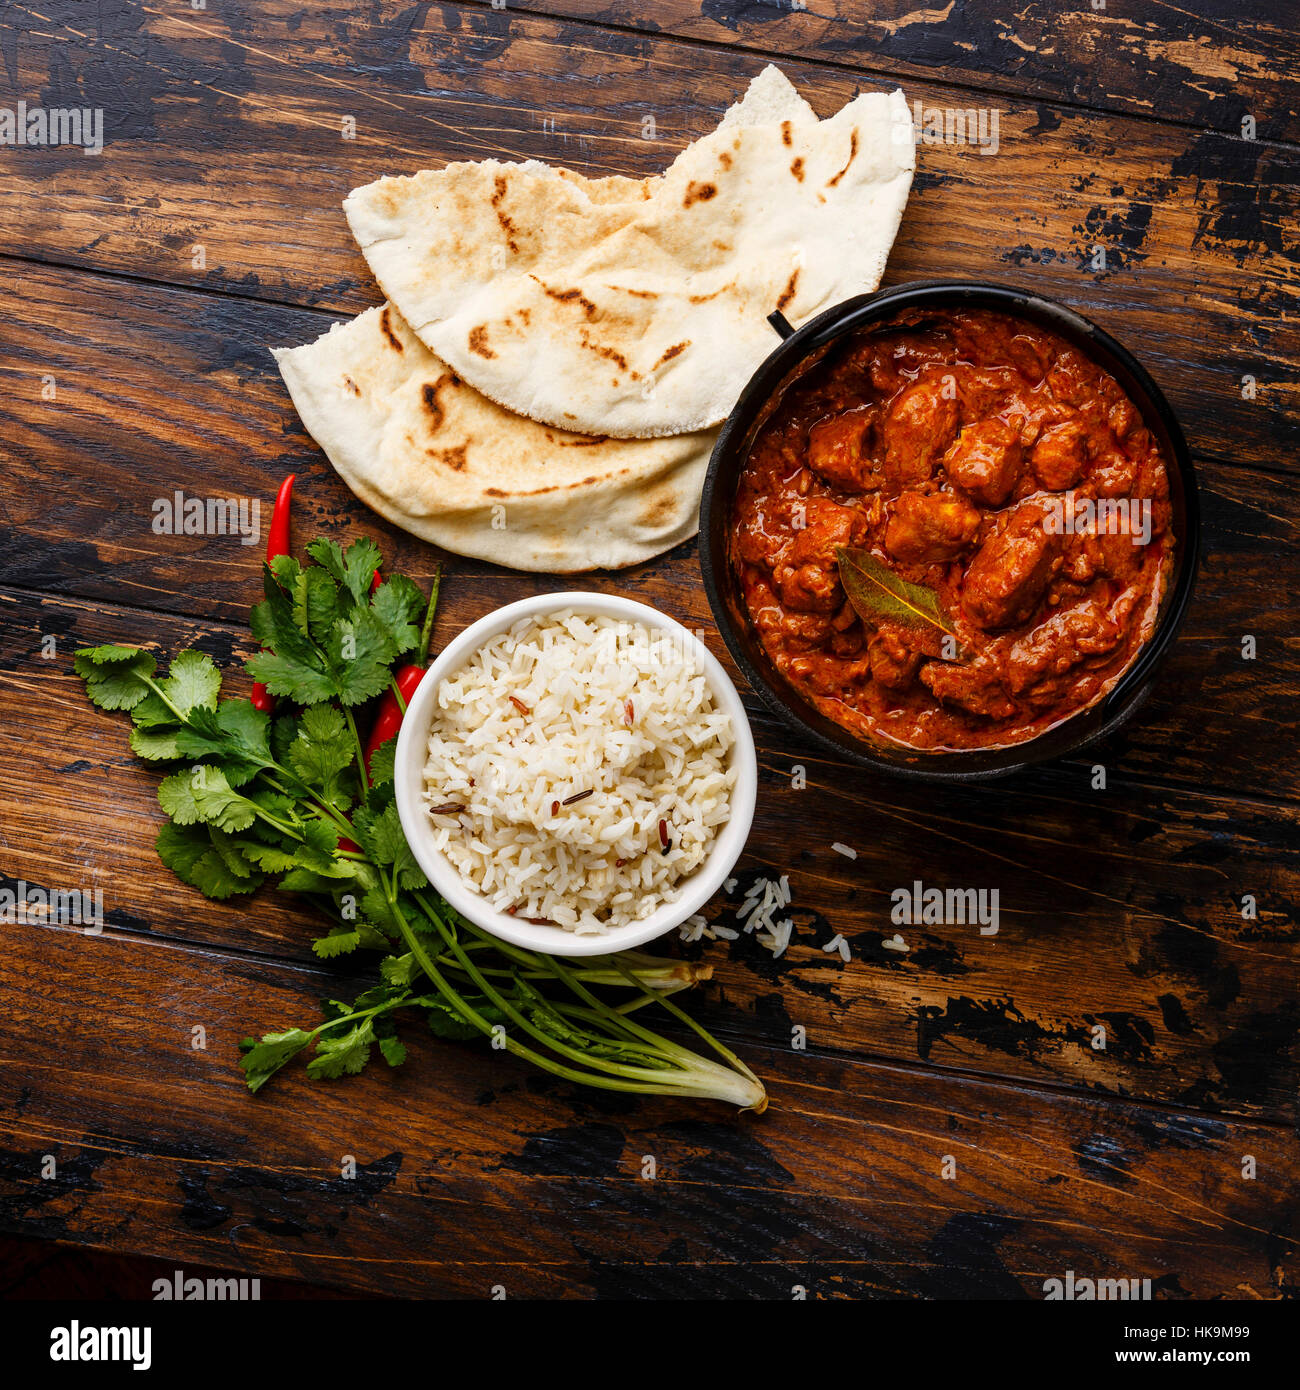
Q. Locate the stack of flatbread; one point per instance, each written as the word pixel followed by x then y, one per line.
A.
pixel 544 385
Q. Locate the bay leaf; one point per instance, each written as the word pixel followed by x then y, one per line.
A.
pixel 877 593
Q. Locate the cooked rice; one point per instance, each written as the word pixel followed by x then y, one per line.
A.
pixel 574 674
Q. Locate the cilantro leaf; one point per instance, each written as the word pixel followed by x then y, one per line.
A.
pixel 192 682
pixel 152 713
pixel 284 729
pixel 203 794
pixel 445 1021
pixel 291 664
pixel 375 908
pixel 261 1060
pixel 381 765
pixel 322 752
pixel 337 943
pixel 306 682
pixel 399 971
pixel 351 662
pixel 398 604
pixel 228 851
pixel 235 733
pixel 319 850
pixel 115 676
pixel 195 857
pixel 285 569
pixel 355 570
pixel 315 602
pixel 180 847
pixel 360 653
pixel 299 880
pixel 273 859
pixel 382 839
pixel 343 1054
pixel 155 745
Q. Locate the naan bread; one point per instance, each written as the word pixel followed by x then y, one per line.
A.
pixel 435 457
pixel 637 308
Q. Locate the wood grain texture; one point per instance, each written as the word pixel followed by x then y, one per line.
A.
pixel 1208 65
pixel 838 1189
pixel 1119 910
pixel 223 132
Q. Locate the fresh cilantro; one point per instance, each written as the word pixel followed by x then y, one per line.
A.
pixel 382 838
pixel 203 794
pixel 322 753
pixel 116 677
pixel 194 854
pixel 193 682
pixel 397 604
pixel 261 1060
pixel 343 1053
pixel 355 570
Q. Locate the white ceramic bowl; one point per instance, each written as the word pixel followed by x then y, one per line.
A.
pixel 412 754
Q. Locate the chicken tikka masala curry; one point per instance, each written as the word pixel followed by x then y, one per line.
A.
pixel 953 531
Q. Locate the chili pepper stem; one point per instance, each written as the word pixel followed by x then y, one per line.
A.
pixel 426 632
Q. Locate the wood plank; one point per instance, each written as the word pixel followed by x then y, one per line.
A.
pixel 1211 66
pixel 839 1188
pixel 224 133
pixel 1118 909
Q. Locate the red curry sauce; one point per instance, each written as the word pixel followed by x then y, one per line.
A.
pixel 990 461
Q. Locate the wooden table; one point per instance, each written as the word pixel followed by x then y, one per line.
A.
pixel 952 1128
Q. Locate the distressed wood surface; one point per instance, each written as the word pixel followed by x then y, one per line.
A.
pixel 223 137
pixel 1212 64
pixel 840 1189
pixel 131 372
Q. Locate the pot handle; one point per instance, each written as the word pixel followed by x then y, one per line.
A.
pixel 782 324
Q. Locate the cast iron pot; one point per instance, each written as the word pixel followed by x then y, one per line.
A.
pixel 803 349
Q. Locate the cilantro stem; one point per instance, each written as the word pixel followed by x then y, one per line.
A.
pixel 361 752
pixel 699 1076
pixel 162 695
pixel 467 1011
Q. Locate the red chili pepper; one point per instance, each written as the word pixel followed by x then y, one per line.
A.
pixel 388 718
pixel 277 543
pixel 393 702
